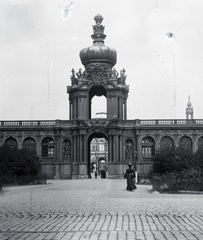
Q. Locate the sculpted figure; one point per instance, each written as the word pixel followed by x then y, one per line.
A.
pixel 73 73
pixel 79 73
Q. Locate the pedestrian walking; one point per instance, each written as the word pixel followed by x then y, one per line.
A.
pixel 130 176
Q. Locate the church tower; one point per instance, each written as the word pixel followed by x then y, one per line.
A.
pixel 98 79
pixel 189 109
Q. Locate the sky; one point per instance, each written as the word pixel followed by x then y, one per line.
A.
pixel 158 42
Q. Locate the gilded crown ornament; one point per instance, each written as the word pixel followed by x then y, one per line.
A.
pixel 98 19
pixel 98 28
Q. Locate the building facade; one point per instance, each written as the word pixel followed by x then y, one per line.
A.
pixel 64 147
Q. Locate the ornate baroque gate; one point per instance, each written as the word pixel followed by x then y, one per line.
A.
pixel 100 79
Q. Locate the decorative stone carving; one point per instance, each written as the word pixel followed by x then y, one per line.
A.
pixel 97 125
pixel 112 95
pixel 82 95
pixel 122 72
pixel 66 150
pixel 98 28
pixel 74 80
pixel 129 151
pixel 114 73
pixel 79 73
pixel 97 73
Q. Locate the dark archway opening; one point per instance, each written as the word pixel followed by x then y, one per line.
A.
pixel 97 155
pixel 96 91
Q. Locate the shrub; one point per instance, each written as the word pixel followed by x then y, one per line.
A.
pixel 180 168
pixel 17 162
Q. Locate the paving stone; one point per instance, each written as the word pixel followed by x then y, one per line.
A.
pixel 94 209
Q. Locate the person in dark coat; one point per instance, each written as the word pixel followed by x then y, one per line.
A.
pixel 130 176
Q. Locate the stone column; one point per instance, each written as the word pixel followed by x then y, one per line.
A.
pixel 70 110
pixel 157 142
pixel 121 107
pixel 114 147
pixel 121 147
pixel 57 154
pixel 110 150
pixel 194 143
pixel 81 149
pixel 19 142
pixel 125 109
pixel 74 148
pixel 139 147
pixel 176 140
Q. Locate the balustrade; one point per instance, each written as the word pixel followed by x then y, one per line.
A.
pixel 130 123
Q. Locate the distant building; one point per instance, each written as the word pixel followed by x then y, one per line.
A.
pixel 189 110
pixel 77 147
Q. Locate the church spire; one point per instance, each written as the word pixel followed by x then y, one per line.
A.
pixel 189 109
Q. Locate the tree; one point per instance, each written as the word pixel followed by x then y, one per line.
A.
pixel 171 160
pixel 17 162
pixel 180 167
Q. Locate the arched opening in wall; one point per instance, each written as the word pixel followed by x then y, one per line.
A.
pixel 97 102
pixel 148 148
pixel 47 148
pixel 11 142
pixel 166 142
pixel 200 143
pixel 30 144
pixel 98 151
pixel 185 143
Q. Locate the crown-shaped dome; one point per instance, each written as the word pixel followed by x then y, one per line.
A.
pixel 98 52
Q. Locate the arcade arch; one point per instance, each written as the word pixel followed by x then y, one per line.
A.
pixel 99 108
pixel 11 142
pixel 185 143
pixel 200 143
pixel 97 154
pixel 30 144
pixel 166 142
pixel 97 97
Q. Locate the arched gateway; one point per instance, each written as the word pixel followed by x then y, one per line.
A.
pixel 99 79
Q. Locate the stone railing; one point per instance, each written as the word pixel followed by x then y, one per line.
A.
pixel 34 123
pixel 170 122
pixel 136 122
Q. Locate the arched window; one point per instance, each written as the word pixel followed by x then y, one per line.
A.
pixel 47 147
pixel 166 142
pixel 29 143
pixel 11 142
pixel 185 143
pixel 200 143
pixel 101 146
pixel 148 147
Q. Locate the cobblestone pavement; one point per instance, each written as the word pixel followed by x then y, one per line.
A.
pixel 97 209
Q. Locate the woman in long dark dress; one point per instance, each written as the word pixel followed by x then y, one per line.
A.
pixel 130 176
